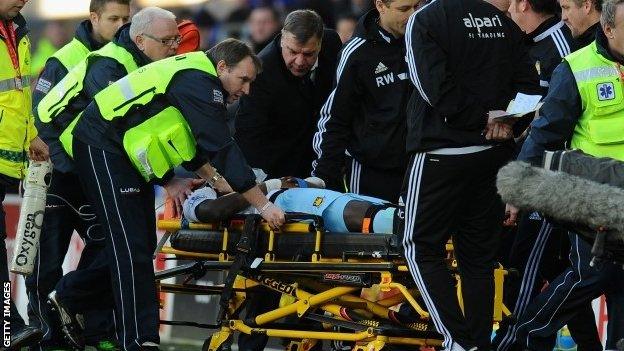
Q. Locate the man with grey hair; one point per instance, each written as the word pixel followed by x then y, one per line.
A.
pixel 583 109
pixel 155 32
pixel 152 35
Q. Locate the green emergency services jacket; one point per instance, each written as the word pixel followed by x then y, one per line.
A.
pixel 59 97
pixel 164 140
pixel 600 129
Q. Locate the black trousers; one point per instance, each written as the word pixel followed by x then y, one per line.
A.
pixel 15 320
pixel 124 205
pixel 540 253
pixel 455 194
pixel 59 223
pixel 258 304
pixel 381 183
pixel 76 290
pixel 575 287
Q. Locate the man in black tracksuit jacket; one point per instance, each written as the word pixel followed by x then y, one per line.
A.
pixel 365 115
pixel 275 124
pixel 465 59
pixel 60 220
pixel 548 44
pixel 588 36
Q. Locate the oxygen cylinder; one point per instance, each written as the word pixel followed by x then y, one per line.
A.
pixel 26 245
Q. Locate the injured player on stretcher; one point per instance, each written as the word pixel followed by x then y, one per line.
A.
pixel 341 212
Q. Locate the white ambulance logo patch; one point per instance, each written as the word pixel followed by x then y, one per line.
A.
pixel 217 96
pixel 605 91
pixel 43 85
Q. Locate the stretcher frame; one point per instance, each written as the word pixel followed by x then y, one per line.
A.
pixel 373 326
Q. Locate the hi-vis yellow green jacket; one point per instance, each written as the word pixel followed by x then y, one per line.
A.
pixel 17 127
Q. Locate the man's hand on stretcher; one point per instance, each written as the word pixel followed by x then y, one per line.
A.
pixel 254 196
pixel 178 189
pixel 271 213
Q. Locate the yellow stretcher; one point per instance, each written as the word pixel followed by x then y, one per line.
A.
pixel 334 281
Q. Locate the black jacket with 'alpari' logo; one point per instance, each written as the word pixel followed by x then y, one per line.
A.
pixel 465 58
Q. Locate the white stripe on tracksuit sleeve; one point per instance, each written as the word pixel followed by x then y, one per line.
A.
pixel 326 110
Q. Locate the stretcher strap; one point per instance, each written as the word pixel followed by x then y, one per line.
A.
pixel 245 252
pixel 184 223
pixel 369 218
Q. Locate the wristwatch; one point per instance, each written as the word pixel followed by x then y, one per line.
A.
pixel 213 180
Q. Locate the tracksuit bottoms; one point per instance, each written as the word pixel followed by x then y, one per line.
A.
pixel 455 194
pixel 124 271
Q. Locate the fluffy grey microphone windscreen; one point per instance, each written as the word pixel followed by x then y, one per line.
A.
pixel 562 196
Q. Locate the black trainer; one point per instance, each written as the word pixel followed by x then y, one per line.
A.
pixel 70 325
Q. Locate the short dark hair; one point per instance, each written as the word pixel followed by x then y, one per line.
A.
pixel 98 5
pixel 233 51
pixel 204 19
pixel 597 4
pixel 304 24
pixel 548 7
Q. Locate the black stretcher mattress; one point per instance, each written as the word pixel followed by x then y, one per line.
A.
pixel 293 245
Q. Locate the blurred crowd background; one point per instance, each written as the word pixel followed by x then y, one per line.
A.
pixel 52 22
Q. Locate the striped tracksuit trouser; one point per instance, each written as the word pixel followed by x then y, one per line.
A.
pixel 559 302
pixel 381 183
pixel 455 195
pixel 540 253
pixel 123 272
